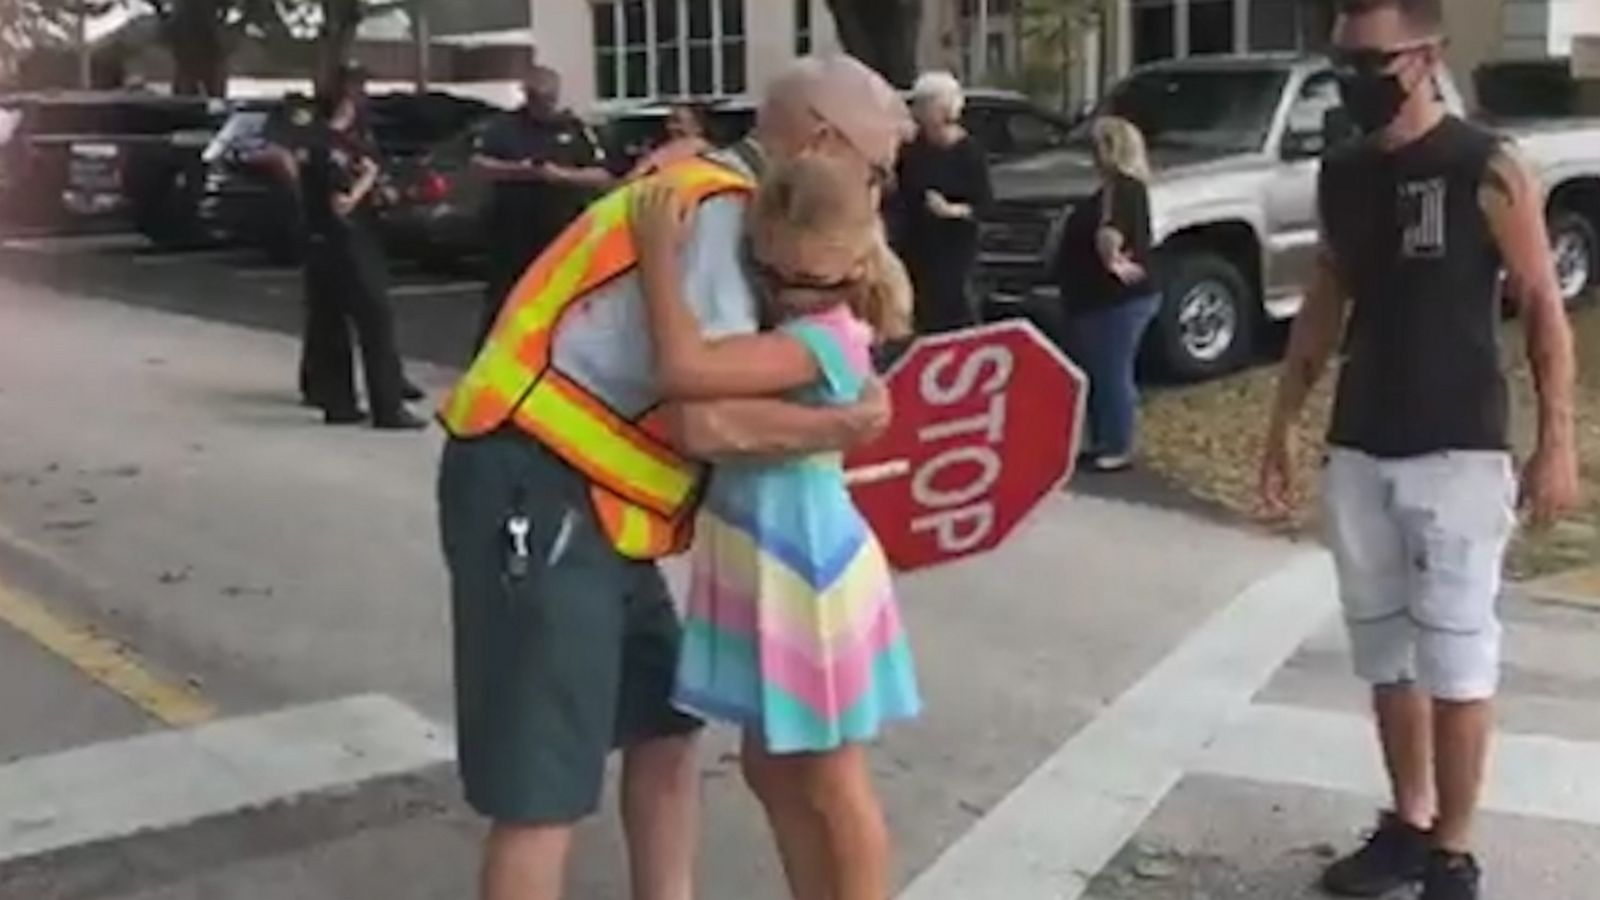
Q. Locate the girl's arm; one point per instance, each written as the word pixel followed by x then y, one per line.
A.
pixel 689 367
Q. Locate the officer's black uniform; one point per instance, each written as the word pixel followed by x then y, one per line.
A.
pixel 524 217
pixel 346 284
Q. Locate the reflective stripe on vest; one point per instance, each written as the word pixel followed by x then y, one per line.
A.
pixel 643 491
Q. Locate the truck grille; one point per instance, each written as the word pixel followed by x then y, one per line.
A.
pixel 1017 229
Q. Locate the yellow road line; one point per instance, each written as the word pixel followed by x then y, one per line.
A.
pixel 105 660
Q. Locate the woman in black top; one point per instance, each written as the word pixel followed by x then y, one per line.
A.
pixel 942 188
pixel 346 273
pixel 1108 289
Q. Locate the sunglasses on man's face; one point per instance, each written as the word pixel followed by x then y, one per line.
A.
pixel 1370 61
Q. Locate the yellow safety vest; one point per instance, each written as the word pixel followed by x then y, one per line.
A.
pixel 643 490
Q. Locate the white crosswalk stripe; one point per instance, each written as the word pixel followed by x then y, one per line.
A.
pixel 172 778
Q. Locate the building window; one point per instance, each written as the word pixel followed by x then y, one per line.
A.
pixel 1155 30
pixel 1211 26
pixel 1290 25
pixel 653 48
pixel 802 27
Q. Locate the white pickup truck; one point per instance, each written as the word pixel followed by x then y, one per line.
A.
pixel 1236 143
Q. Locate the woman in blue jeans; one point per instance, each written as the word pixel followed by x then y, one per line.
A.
pixel 1108 290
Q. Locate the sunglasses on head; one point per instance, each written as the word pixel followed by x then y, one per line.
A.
pixel 879 175
pixel 1375 60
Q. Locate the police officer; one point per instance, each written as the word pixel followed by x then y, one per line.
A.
pixel 546 166
pixel 346 270
pixel 288 132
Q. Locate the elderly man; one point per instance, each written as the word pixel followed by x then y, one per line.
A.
pixel 565 478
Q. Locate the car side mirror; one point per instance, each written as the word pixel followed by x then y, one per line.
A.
pixel 1337 127
pixel 1304 144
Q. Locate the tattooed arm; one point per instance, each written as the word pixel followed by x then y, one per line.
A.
pixel 1513 203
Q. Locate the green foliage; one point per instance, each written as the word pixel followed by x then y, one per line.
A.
pixel 1051 32
pixel 27 24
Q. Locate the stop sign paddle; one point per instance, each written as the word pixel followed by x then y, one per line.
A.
pixel 986 426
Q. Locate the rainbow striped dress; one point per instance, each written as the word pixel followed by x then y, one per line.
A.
pixel 791 626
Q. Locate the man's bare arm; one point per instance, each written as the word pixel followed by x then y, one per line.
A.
pixel 1513 202
pixel 761 427
pixel 595 177
pixel 1313 340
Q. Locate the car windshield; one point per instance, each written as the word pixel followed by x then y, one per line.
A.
pixel 1219 110
pixel 241 131
pixel 10 118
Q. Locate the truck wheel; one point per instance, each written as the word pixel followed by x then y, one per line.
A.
pixel 1575 243
pixel 1207 322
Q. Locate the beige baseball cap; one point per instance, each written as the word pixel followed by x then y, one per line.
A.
pixel 852 98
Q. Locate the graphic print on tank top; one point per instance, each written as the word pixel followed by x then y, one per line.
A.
pixel 1422 215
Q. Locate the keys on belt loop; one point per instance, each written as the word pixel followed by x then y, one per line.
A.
pixel 517 529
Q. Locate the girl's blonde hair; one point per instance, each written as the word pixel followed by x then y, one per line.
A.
pixel 817 195
pixel 1119 146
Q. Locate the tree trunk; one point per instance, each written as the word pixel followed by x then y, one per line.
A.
pixel 340 20
pixel 194 33
pixel 882 34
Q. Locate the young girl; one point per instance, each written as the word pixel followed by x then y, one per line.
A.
pixel 792 631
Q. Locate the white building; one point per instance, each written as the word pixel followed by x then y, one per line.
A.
pixel 612 52
pixel 1533 28
pixel 619 51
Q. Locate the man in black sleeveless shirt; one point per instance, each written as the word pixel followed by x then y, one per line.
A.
pixel 1419 218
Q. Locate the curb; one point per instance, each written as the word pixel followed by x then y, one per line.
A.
pixel 1577 587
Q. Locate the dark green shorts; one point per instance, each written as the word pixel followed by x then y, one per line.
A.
pixel 562 653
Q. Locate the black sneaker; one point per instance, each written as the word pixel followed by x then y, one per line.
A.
pixel 399 420
pixel 1451 876
pixel 1395 855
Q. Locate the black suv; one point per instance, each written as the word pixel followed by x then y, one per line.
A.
pixel 71 158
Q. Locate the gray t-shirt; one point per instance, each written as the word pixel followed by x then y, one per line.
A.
pixel 605 343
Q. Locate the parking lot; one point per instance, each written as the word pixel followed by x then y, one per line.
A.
pixel 436 313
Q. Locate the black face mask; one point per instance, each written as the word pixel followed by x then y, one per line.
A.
pixel 1372 100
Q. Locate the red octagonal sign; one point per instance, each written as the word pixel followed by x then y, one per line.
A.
pixel 986 426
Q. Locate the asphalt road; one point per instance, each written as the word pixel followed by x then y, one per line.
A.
pixel 224 653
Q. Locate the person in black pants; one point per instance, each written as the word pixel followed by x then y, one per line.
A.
pixel 545 166
pixel 1108 293
pixel 346 272
pixel 942 186
pixel 287 136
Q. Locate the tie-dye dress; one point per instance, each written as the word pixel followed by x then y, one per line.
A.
pixel 791 626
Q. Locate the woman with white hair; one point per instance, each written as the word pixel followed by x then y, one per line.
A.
pixel 942 187
pixel 1109 294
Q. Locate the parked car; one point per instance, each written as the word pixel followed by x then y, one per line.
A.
pixel 1236 143
pixel 79 157
pixel 438 216
pixel 441 203
pixel 246 200
pixel 1006 123
pixel 439 206
pixel 1517 90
